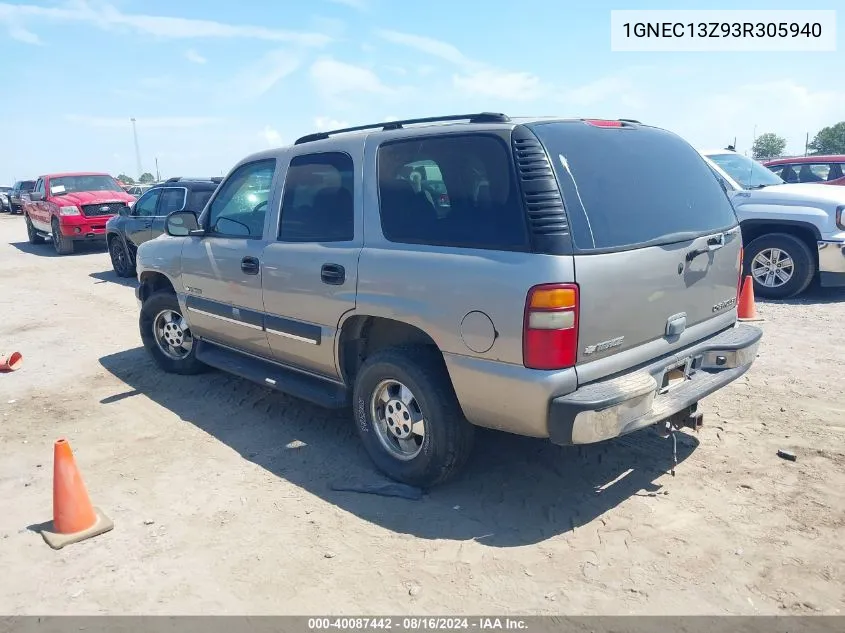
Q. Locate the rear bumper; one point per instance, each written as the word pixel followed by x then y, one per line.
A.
pixel 832 263
pixel 634 400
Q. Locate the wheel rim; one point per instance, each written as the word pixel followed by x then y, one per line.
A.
pixel 172 334
pixel 118 257
pixel 398 417
pixel 772 267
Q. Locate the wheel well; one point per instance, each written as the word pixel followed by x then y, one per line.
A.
pixel 362 336
pixel 751 231
pixel 153 282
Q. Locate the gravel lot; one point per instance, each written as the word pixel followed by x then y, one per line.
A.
pixel 220 495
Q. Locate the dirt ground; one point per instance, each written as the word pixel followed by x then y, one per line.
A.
pixel 220 490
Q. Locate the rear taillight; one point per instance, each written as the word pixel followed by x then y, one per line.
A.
pixel 444 199
pixel 550 329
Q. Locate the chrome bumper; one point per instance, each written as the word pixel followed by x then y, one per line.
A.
pixel 610 408
pixel 832 263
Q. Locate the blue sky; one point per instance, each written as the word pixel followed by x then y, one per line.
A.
pixel 209 82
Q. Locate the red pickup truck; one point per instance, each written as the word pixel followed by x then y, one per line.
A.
pixel 71 208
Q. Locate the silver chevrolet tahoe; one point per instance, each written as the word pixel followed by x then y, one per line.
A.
pixel 535 276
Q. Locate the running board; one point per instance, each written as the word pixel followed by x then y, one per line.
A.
pixel 319 391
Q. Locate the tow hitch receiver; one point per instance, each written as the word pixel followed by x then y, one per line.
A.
pixel 688 418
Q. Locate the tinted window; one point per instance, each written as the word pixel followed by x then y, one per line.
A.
pixel 241 204
pixel 146 204
pixel 450 191
pixel 198 198
pixel 628 186
pixel 27 185
pixel 172 199
pixel 318 204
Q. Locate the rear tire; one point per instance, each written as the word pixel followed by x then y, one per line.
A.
pixel 62 245
pixel 154 320
pixel 771 258
pixel 428 396
pixel 34 236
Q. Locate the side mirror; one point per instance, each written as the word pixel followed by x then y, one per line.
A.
pixel 125 210
pixel 181 224
pixel 36 196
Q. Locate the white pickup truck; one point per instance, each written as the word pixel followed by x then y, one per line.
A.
pixel 790 232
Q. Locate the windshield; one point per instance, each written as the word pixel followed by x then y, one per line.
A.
pixel 747 172
pixel 627 187
pixel 71 184
pixel 27 185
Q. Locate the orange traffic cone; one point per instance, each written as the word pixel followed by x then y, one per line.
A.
pixel 74 518
pixel 747 309
pixel 11 362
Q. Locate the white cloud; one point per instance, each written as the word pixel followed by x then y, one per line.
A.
pixel 398 70
pixel 714 119
pixel 192 56
pixel 476 78
pixel 323 124
pixel 500 84
pixel 108 17
pixel 150 122
pixel 358 5
pixel 332 78
pixel 259 76
pixel 435 48
pixel 271 136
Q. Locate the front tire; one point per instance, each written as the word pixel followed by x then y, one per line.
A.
pixel 34 236
pixel 780 264
pixel 167 335
pixel 63 245
pixel 121 260
pixel 408 416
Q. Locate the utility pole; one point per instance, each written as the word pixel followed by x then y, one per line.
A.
pixel 807 144
pixel 137 149
pixel 158 176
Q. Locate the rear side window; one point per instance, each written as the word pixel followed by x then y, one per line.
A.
pixel 630 186
pixel 450 191
pixel 318 205
pixel 198 198
pixel 172 199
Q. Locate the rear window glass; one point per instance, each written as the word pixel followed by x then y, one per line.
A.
pixel 450 191
pixel 631 186
pixel 27 185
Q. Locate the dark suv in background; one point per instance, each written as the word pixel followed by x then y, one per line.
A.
pixel 145 220
pixel 16 200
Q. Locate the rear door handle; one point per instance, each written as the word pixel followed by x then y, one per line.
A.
pixel 333 274
pixel 250 265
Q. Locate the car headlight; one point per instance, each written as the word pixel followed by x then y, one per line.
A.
pixel 68 211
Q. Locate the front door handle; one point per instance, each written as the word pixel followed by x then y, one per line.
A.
pixel 250 265
pixel 333 274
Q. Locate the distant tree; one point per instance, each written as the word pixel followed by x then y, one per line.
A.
pixel 126 180
pixel 146 178
pixel 768 145
pixel 829 140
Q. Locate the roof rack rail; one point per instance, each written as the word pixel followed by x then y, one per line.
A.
pixel 174 179
pixel 480 117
